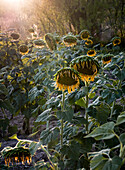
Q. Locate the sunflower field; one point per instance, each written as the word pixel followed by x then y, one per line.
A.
pixel 62 87
pixel 74 90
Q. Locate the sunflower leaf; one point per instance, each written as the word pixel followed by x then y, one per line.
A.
pixel 103 132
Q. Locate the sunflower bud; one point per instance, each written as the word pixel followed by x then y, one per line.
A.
pixel 116 41
pixel 91 52
pixel 107 58
pixel 23 49
pixel 70 40
pixel 84 34
pixel 39 43
pixel 15 36
pixel 50 41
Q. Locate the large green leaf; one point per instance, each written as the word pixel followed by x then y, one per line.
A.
pixel 113 164
pixel 81 102
pixel 44 116
pixel 67 114
pixel 34 92
pixel 121 119
pixel 103 132
pixel 49 135
pixel 98 162
pixel 102 112
pixel 122 138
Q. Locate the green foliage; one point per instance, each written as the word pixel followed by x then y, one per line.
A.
pixel 77 128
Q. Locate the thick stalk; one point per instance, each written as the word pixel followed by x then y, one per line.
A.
pixel 87 102
pixel 61 129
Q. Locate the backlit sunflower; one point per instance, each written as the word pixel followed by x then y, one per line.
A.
pixel 39 43
pixel 58 39
pixel 23 49
pixel 67 79
pixel 31 30
pixel 70 40
pixel 116 41
pixel 15 36
pixel 50 41
pixel 86 66
pixel 16 155
pixel 88 43
pixel 91 52
pixel 84 34
pixel 107 58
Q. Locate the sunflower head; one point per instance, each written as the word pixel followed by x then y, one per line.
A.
pixel 88 43
pixel 39 43
pixel 23 49
pixel 15 36
pixel 50 41
pixel 31 30
pixel 86 66
pixel 69 40
pixel 84 34
pixel 67 79
pixel 107 58
pixel 116 41
pixel 91 52
pixel 57 38
pixel 1 41
pixel 16 155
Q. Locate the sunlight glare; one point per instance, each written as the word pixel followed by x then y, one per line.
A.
pixel 13 2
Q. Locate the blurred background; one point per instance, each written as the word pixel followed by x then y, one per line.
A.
pixel 104 18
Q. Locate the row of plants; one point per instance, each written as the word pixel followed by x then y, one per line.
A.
pixel 75 88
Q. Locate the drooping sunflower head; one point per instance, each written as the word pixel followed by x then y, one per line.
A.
pixel 15 36
pixel 86 66
pixel 1 41
pixel 23 49
pixel 50 41
pixel 39 43
pixel 31 30
pixel 107 58
pixel 67 79
pixel 70 40
pixel 16 155
pixel 84 34
pixel 116 41
pixel 91 52
pixel 88 43
pixel 57 38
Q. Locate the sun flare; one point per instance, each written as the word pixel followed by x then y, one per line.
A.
pixel 13 3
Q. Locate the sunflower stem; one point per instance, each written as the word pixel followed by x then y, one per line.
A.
pixel 87 102
pixel 61 129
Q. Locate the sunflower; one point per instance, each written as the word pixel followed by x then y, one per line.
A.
pixel 50 41
pixel 86 66
pixel 31 30
pixel 88 42
pixel 39 43
pixel 67 78
pixel 116 41
pixel 107 58
pixel 15 36
pixel 91 52
pixel 84 34
pixel 70 40
pixel 16 155
pixel 58 39
pixel 23 49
